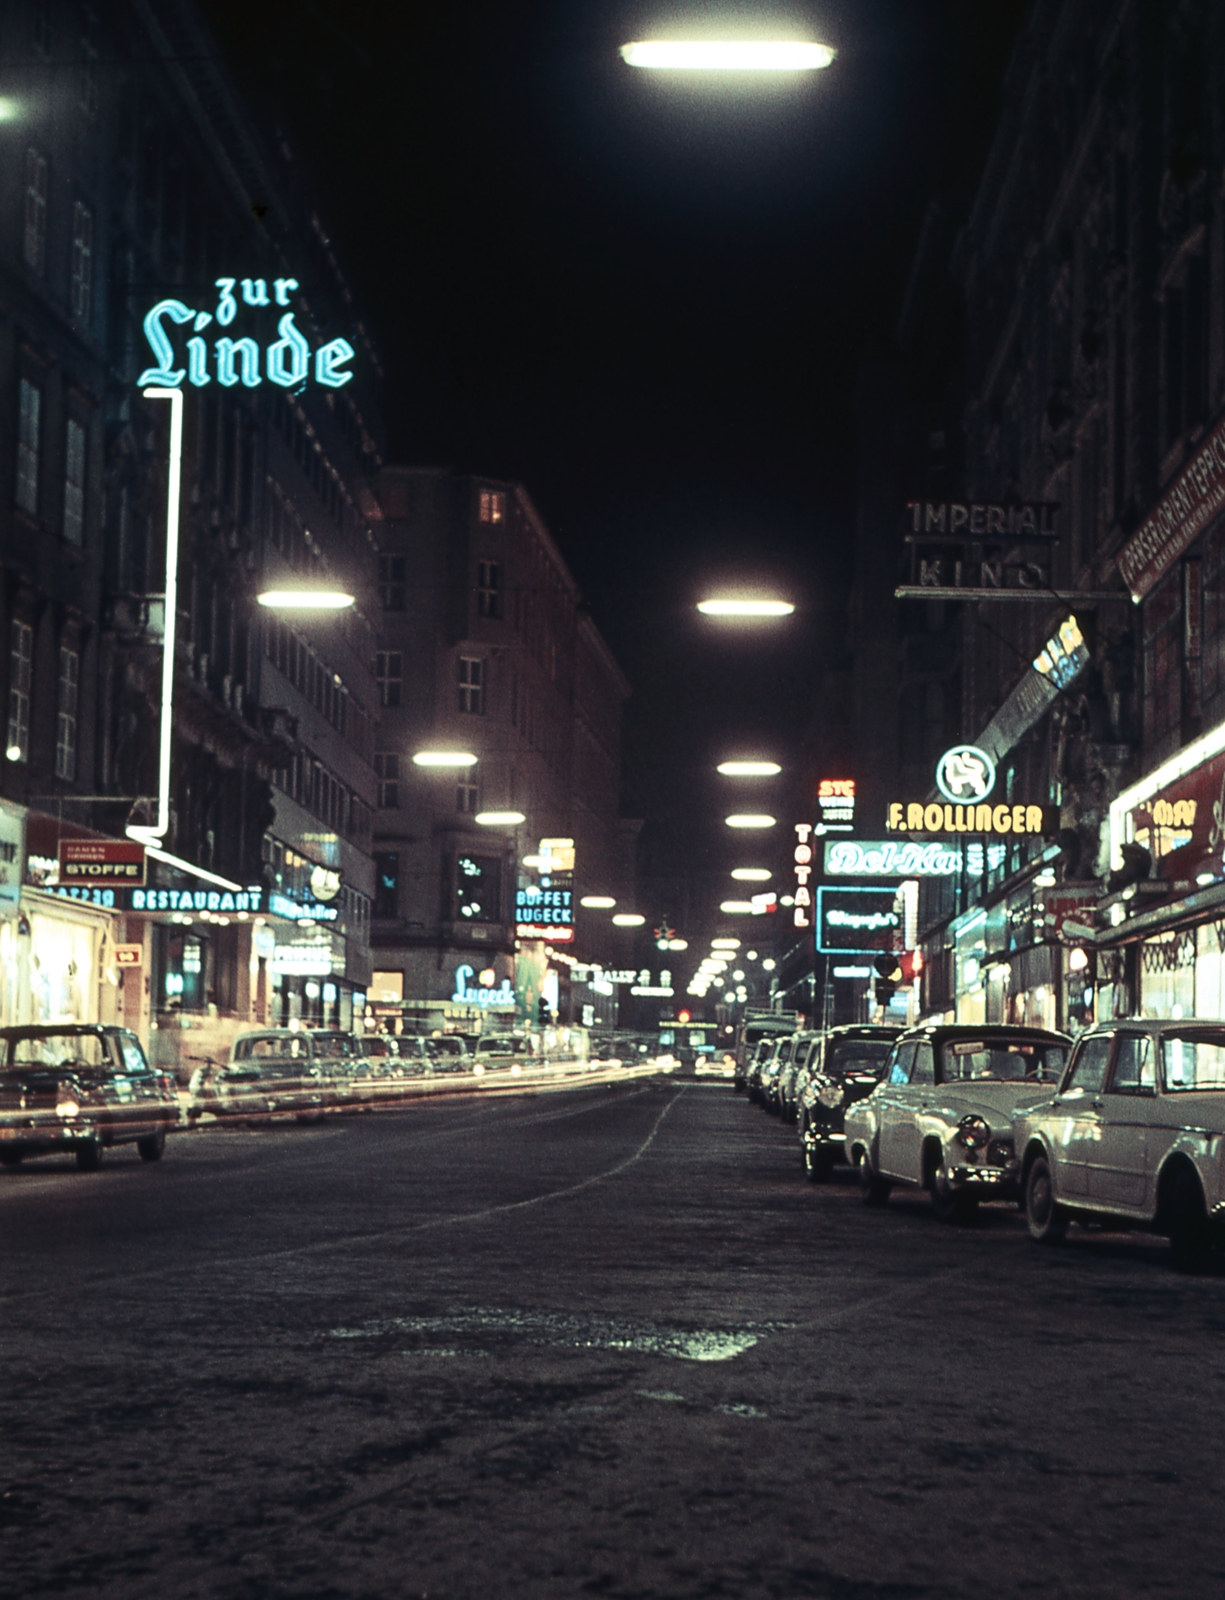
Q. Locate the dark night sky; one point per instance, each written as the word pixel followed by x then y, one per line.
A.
pixel 646 299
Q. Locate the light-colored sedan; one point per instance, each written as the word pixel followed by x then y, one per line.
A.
pixel 1135 1133
pixel 941 1118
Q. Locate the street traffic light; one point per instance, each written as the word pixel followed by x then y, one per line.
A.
pixel 543 1015
pixel 683 1016
pixel 889 975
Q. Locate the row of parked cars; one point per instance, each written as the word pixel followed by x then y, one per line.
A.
pixel 1123 1126
pixel 80 1088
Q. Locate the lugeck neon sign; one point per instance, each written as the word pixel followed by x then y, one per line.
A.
pixel 288 361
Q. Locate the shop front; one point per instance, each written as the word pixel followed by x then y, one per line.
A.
pixel 468 994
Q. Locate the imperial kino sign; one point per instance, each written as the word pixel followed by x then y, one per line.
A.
pixel 287 361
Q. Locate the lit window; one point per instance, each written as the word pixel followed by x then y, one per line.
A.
pixel 389 670
pixel 472 685
pixel 21 658
pixel 386 883
pixel 489 589
pixel 74 483
pixel 391 583
pixel 493 505
pixel 66 714
pixel 35 240
pixel 82 262
pixel 387 771
pixel 29 415
pixel 468 793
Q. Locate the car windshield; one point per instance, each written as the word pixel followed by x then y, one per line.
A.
pixel 445 1046
pixel 1193 1061
pixel 59 1050
pixel 333 1046
pixel 1002 1061
pixel 270 1046
pixel 858 1056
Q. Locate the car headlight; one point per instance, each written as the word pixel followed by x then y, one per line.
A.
pixel 831 1095
pixel 67 1109
pixel 973 1133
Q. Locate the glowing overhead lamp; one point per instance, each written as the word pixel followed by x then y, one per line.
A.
pixel 499 819
pixel 628 919
pixel 731 607
pixel 305 599
pixel 751 874
pixel 727 55
pixel 751 819
pixel 736 908
pixel 598 902
pixel 444 758
pixel 749 769
pixel 725 944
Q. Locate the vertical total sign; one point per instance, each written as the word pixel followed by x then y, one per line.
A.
pixel 803 872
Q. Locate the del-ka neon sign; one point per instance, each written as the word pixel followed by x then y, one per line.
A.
pixel 286 362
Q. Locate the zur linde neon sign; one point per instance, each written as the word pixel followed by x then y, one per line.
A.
pixel 288 361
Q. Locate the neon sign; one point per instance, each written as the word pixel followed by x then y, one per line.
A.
pixel 486 995
pixel 287 361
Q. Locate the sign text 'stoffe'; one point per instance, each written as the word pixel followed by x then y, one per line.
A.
pixel 102 861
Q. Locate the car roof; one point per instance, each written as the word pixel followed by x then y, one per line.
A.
pixel 939 1031
pixel 31 1030
pixel 866 1030
pixel 1153 1024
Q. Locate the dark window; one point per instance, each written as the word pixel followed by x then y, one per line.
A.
pixel 389 670
pixel 34 241
pixel 391 583
pixel 489 589
pixel 472 685
pixel 29 432
pixel 74 483
pixel 468 793
pixel 386 883
pixel 924 1069
pixel 387 771
pixel 82 262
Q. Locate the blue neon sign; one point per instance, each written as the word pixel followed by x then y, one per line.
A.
pixel 287 361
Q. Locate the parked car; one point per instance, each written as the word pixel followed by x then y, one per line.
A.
pixel 758 1028
pixel 793 1070
pixel 277 1070
pixel 843 1067
pixel 941 1119
pixel 504 1052
pixel 778 1064
pixel 1135 1133
pixel 81 1087
pixel 762 1052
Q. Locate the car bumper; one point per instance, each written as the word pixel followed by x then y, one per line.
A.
pixel 1001 1180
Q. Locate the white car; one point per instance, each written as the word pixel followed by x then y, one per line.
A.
pixel 941 1119
pixel 1134 1133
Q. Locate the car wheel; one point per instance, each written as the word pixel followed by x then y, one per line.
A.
pixel 151 1146
pixel 818 1164
pixel 1189 1230
pixel 1047 1219
pixel 89 1155
pixel 950 1204
pixel 873 1189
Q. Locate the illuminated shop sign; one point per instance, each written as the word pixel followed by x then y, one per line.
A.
pixel 835 805
pixel 1063 655
pixel 891 858
pixel 857 921
pixel 556 856
pixel 1181 824
pixel 281 905
pixel 306 956
pixel 193 899
pixel 1186 508
pixel 12 850
pixel 803 872
pixel 483 994
pixel 101 861
pixel 542 913
pixel 984 519
pixel 917 816
pixel 287 361
pixel 965 773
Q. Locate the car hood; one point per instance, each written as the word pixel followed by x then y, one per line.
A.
pixel 996 1103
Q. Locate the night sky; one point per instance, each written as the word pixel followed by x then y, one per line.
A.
pixel 646 299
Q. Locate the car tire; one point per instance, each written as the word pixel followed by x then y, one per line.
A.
pixel 89 1155
pixel 818 1164
pixel 952 1205
pixel 1046 1218
pixel 1188 1227
pixel 873 1189
pixel 152 1146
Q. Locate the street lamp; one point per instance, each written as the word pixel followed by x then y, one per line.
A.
pixel 749 820
pixel 598 902
pixel 749 769
pixel 751 874
pixel 731 606
pixel 499 819
pixel 305 599
pixel 736 908
pixel 628 919
pixel 444 758
pixel 727 55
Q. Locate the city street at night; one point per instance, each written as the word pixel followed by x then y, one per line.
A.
pixel 606 1342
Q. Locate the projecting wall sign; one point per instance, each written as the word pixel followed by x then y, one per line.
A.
pixel 857 921
pixel 891 858
pixel 287 361
pixel 917 817
pixel 965 773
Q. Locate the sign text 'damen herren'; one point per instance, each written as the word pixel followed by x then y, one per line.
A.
pixel 940 817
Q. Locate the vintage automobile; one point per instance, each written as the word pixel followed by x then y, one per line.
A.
pixel 765 1090
pixel 511 1052
pixel 81 1087
pixel 941 1119
pixel 1135 1134
pixel 844 1066
pixel 762 1052
pixel 786 1085
pixel 277 1070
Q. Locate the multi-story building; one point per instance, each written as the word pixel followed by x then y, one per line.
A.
pixel 488 657
pixel 151 237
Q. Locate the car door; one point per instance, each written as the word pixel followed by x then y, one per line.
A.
pixel 896 1112
pixel 1118 1170
pixel 1077 1120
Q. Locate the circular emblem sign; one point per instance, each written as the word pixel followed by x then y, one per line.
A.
pixel 965 774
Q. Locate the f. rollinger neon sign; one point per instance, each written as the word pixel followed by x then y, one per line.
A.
pixel 287 361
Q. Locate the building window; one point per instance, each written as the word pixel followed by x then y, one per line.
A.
pixel 478 889
pixel 29 415
pixel 472 685
pixel 74 484
pixel 88 83
pixel 21 659
pixel 468 793
pixel 82 262
pixel 66 714
pixel 389 670
pixel 489 589
pixel 493 505
pixel 387 771
pixel 391 583
pixel 35 241
pixel 386 883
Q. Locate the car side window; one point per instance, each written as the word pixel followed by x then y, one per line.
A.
pixel 903 1059
pixel 133 1056
pixel 1134 1065
pixel 924 1069
pixel 1089 1073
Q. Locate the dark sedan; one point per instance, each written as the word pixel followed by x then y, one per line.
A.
pixel 845 1066
pixel 80 1087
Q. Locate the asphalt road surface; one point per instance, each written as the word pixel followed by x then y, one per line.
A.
pixel 605 1342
